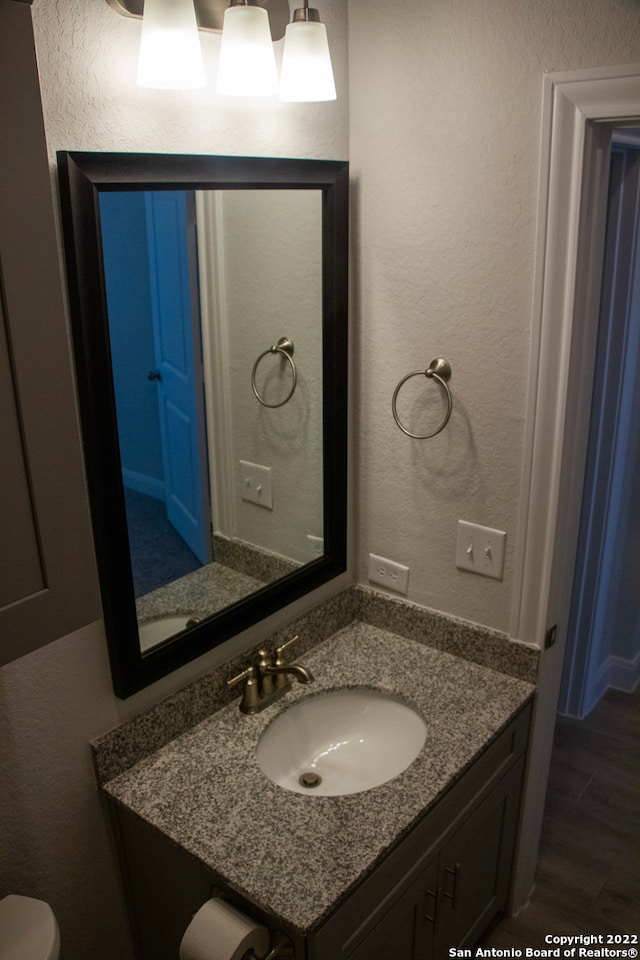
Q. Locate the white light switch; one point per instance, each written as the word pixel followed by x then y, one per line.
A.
pixel 255 484
pixel 480 549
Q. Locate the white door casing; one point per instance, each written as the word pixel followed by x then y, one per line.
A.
pixel 579 112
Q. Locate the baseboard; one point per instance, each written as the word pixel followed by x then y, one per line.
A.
pixel 616 673
pixel 143 484
pixel 624 674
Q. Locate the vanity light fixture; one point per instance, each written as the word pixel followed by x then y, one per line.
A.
pixel 307 74
pixel 247 65
pixel 170 56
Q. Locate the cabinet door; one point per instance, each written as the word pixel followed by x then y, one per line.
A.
pixel 475 867
pixel 404 933
pixel 48 585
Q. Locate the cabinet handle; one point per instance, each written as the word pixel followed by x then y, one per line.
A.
pixel 455 872
pixel 430 893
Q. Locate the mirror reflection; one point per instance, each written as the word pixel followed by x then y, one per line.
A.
pixel 214 303
pixel 260 262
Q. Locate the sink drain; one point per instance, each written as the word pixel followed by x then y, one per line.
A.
pixel 310 779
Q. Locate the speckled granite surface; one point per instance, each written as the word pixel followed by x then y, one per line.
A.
pixel 239 570
pixel 128 743
pixel 205 791
pixel 199 594
pixel 251 560
pixel 485 646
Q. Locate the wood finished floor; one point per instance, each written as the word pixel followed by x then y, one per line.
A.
pixel 588 874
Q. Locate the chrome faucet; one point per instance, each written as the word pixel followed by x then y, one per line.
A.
pixel 269 679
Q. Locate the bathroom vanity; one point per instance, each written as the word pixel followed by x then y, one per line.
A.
pixel 401 871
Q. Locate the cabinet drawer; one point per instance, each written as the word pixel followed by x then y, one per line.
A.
pixel 355 919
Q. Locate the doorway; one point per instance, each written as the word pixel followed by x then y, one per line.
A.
pixel 150 263
pixel 603 637
pixel 580 111
pixel 587 876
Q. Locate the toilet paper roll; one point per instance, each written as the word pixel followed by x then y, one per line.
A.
pixel 220 932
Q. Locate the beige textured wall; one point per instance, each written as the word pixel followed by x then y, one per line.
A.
pixel 56 842
pixel 273 288
pixel 444 121
pixel 88 58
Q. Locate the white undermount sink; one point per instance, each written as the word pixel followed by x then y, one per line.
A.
pixel 339 742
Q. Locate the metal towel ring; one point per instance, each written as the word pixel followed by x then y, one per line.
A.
pixel 439 370
pixel 284 347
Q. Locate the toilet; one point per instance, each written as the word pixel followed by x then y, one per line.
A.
pixel 28 930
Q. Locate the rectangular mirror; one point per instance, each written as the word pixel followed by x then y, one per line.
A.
pixel 209 312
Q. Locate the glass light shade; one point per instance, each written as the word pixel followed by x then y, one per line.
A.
pixel 306 72
pixel 247 65
pixel 170 55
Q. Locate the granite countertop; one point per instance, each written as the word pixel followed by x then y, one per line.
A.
pixel 297 856
pixel 199 593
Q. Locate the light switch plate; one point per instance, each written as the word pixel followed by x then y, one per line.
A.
pixel 480 549
pixel 255 484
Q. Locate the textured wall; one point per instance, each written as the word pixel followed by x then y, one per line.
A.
pixel 445 115
pixel 273 288
pixel 56 842
pixel 88 59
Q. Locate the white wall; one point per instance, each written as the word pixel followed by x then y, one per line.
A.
pixel 87 56
pixel 56 843
pixel 445 114
pixel 273 288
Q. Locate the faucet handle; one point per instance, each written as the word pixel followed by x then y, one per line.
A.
pixel 250 697
pixel 284 646
pixel 281 680
pixel 247 674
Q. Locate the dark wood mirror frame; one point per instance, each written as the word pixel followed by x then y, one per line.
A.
pixel 82 177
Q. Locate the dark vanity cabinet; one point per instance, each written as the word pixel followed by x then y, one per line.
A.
pixel 440 886
pixel 457 895
pixel 448 878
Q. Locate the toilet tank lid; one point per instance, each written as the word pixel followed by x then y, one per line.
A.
pixel 28 929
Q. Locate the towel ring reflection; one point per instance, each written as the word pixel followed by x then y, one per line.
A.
pixel 284 347
pixel 439 370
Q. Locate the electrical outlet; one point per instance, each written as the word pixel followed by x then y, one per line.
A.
pixel 255 484
pixel 387 573
pixel 315 547
pixel 480 549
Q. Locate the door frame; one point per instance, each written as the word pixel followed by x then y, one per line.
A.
pixel 215 348
pixel 579 111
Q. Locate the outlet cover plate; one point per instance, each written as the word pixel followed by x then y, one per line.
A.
pixel 315 546
pixel 255 484
pixel 480 549
pixel 388 573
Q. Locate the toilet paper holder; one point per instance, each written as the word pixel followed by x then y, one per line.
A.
pixel 280 949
